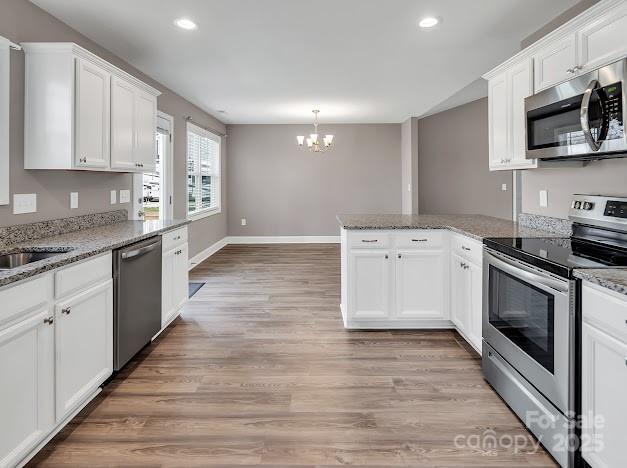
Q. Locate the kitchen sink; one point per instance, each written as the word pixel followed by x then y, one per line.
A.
pixel 14 260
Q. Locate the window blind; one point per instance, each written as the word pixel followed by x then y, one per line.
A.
pixel 203 170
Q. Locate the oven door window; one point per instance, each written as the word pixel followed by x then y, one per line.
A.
pixel 524 314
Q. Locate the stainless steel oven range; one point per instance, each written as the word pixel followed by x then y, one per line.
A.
pixel 532 318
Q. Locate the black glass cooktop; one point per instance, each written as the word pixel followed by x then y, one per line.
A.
pixel 560 255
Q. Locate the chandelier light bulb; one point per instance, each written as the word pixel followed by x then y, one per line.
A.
pixel 314 137
pixel 300 139
pixel 309 143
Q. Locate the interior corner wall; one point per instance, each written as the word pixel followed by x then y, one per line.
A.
pixel 283 190
pixel 22 21
pixel 409 166
pixel 453 174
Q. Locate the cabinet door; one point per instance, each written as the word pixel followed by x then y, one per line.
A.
pixel 122 125
pixel 603 40
pixel 555 63
pixel 520 80
pixel 475 323
pixel 420 280
pixel 370 276
pixel 498 121
pixel 84 344
pixel 27 389
pixel 145 127
pixel 460 293
pixel 174 287
pixel 92 115
pixel 604 406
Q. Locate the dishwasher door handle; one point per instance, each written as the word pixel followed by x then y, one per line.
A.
pixel 139 252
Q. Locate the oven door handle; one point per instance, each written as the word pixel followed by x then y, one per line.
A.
pixel 528 274
pixel 585 118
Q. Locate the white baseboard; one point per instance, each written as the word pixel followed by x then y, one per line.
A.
pixel 283 239
pixel 208 252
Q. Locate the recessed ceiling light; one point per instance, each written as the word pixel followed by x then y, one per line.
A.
pixel 429 22
pixel 185 23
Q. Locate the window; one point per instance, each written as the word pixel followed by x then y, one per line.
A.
pixel 203 172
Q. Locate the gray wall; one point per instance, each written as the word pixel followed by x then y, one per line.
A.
pixel 608 177
pixel 282 190
pixel 409 166
pixel 21 21
pixel 453 175
pixel 604 177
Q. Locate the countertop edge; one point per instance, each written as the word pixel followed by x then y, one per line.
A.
pixel 29 272
pixel 601 279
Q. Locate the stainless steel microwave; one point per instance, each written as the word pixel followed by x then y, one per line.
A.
pixel 582 118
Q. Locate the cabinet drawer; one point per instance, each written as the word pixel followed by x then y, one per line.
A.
pixel 605 310
pixel 22 297
pixel 173 238
pixel 83 274
pixel 467 248
pixel 368 240
pixel 423 239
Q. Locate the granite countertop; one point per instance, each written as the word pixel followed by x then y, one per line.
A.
pixel 610 278
pixel 475 226
pixel 82 244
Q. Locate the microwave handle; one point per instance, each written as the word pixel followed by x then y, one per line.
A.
pixel 585 121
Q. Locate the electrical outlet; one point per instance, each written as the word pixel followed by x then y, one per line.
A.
pixel 544 198
pixel 114 197
pixel 125 196
pixel 73 200
pixel 24 203
pixel 504 187
pixel 409 187
pixel 243 221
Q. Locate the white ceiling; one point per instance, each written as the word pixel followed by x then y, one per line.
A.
pixel 272 61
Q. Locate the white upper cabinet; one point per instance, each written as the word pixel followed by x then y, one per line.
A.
pixel 596 37
pixel 556 62
pixel 81 112
pixel 92 115
pixel 506 113
pixel 603 40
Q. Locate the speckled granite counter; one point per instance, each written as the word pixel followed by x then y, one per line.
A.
pixel 84 243
pixel 611 278
pixel 476 226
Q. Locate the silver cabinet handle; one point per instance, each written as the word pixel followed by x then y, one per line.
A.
pixel 370 241
pixel 466 248
pixel 139 252
pixel 576 68
pixel 570 71
pixel 49 320
pixel 386 256
pixel 83 159
pixel 399 256
pixel 583 116
pixel 140 214
pixel 419 240
pixel 66 311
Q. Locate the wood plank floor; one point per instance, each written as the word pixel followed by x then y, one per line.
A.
pixel 259 371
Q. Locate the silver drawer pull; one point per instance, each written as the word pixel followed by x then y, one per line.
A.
pixel 419 240
pixel 49 320
pixel 66 311
pixel 370 241
pixel 465 248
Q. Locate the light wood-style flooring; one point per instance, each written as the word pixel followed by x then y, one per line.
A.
pixel 259 371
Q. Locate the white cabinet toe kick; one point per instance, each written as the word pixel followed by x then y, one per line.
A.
pixel 412 279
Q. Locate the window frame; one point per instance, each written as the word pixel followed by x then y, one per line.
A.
pixel 217 179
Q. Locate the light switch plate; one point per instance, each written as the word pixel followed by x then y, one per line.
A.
pixel 125 196
pixel 544 198
pixel 73 200
pixel 114 197
pixel 409 187
pixel 243 221
pixel 24 203
pixel 504 187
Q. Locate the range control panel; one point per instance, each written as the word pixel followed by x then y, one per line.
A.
pixel 599 210
pixel 616 209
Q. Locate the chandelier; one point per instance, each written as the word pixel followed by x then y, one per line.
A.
pixel 313 143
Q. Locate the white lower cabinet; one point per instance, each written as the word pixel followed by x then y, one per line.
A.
pixel 369 284
pixel 604 378
pixel 84 344
pixel 27 389
pixel 413 279
pixel 420 291
pixel 174 283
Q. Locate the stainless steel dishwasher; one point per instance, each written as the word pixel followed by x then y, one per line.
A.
pixel 137 298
